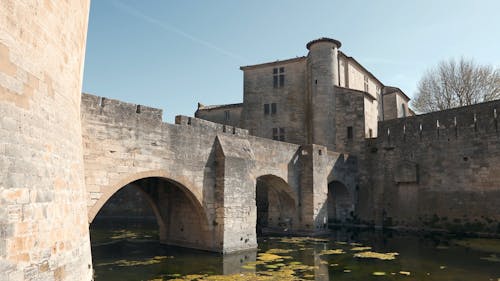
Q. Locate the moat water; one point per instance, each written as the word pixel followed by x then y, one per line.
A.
pixel 133 253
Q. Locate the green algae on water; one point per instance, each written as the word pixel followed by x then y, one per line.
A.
pixel 375 255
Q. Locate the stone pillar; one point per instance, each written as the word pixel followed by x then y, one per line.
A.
pixel 43 215
pixel 313 195
pixel 323 76
pixel 236 212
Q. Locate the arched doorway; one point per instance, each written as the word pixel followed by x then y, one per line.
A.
pixel 276 210
pixel 179 217
pixel 340 203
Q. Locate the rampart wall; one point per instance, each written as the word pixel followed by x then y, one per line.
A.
pixel 439 171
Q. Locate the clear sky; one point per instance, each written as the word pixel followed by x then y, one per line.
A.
pixel 173 54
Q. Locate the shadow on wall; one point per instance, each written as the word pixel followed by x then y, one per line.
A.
pixel 276 205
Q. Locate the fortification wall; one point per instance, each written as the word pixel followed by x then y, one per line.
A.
pixel 43 227
pixel 437 170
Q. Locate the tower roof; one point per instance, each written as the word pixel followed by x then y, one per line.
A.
pixel 323 39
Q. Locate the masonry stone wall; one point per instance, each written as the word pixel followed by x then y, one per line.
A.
pixel 438 170
pixel 215 166
pixel 43 226
pixel 289 99
pixel 354 76
pixel 350 112
pixel 390 106
pixel 228 114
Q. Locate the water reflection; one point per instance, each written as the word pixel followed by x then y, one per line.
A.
pixel 135 254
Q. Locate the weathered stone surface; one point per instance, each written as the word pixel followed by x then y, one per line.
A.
pixel 42 192
pixel 211 173
pixel 440 170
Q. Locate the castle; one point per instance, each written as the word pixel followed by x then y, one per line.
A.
pixel 324 140
pixel 326 97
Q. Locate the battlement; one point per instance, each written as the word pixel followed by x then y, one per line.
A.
pixel 119 109
pixel 466 122
pixel 200 123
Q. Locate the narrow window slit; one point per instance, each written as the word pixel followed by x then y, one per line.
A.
pixel 437 128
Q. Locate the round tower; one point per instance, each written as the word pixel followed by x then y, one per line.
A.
pixel 323 74
pixel 43 210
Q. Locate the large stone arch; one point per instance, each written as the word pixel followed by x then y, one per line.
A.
pixel 277 205
pixel 182 218
pixel 192 190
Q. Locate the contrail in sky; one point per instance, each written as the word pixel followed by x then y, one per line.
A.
pixel 171 28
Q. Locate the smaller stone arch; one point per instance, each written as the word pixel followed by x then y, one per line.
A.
pixel 340 203
pixel 276 205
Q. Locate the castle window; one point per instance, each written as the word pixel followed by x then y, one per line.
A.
pixel 266 109
pixel 279 134
pixel 403 107
pixel 278 77
pixel 350 133
pixel 226 115
pixel 366 84
pixel 273 108
pixel 370 133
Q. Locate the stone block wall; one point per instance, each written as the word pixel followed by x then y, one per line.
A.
pixel 229 114
pixel 43 226
pixel 438 170
pixel 216 165
pixel 289 99
pixel 350 112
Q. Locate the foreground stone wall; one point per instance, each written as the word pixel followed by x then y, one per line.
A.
pixel 438 170
pixel 43 226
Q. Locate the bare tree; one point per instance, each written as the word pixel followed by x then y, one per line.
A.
pixel 453 84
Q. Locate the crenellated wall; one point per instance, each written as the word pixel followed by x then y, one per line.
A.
pixel 438 170
pixel 204 168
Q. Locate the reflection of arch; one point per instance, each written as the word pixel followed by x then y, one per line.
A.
pixel 276 204
pixel 340 203
pixel 182 182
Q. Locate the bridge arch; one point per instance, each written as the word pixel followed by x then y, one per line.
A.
pixel 180 214
pixel 192 190
pixel 340 202
pixel 276 205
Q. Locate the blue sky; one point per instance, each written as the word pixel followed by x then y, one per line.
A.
pixel 173 54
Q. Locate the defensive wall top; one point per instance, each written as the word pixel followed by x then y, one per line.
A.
pixel 457 123
pixel 125 113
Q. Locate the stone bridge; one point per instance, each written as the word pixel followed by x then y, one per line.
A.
pixel 209 184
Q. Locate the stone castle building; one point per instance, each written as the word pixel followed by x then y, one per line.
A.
pixel 326 97
pixel 342 153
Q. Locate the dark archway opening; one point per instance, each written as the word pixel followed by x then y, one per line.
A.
pixel 276 210
pixel 340 204
pixel 154 209
pixel 153 228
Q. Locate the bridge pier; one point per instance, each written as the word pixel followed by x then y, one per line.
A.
pixel 236 212
pixel 313 191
